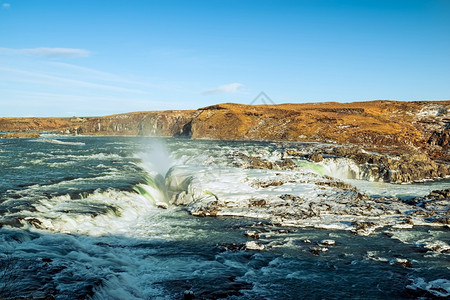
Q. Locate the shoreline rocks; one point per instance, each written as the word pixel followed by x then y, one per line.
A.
pixel 329 204
pixel 20 135
pixel 404 168
pixel 382 125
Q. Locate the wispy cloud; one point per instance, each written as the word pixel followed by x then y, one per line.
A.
pixel 6 5
pixel 48 52
pixel 224 89
pixel 39 78
pixel 84 72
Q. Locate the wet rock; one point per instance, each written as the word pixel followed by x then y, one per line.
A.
pixel 318 250
pixel 259 163
pixel 441 194
pixel 232 246
pixel 252 234
pixel 337 184
pixel 286 164
pixel 255 162
pixel 316 157
pixel 336 208
pixel 266 184
pixel 402 262
pixel 294 152
pixel 205 211
pixel 257 203
pixel 34 222
pixel 362 225
pixel 363 228
pixel 409 221
pixel 252 245
pixel 162 205
pixel 327 243
pixel 443 220
pixel 437 246
pixel 291 197
pixel 433 207
pixel 282 231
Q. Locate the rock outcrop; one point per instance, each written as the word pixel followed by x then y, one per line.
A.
pixel 166 123
pixel 400 168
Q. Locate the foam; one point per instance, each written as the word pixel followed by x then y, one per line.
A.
pixel 135 247
pixel 438 287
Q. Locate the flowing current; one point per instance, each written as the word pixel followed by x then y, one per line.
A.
pixel 91 218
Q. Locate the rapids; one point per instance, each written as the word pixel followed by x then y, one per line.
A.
pixel 111 218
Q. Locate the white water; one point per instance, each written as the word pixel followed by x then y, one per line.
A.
pixel 133 246
pixel 341 168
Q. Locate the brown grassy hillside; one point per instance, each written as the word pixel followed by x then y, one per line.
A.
pixel 383 125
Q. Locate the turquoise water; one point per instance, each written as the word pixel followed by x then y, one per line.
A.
pixel 74 227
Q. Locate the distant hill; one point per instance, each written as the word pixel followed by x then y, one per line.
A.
pixel 389 126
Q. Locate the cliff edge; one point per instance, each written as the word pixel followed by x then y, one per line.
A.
pixel 385 126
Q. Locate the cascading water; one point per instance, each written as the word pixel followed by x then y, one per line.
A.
pixel 80 220
pixel 164 180
pixel 341 168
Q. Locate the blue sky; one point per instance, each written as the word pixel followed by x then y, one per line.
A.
pixel 98 57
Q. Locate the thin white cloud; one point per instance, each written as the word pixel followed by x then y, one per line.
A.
pixel 92 73
pixel 39 78
pixel 48 52
pixel 224 89
pixel 87 72
pixel 6 5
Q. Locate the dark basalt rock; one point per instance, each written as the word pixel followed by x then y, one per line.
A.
pixel 318 250
pixel 257 203
pixel 362 227
pixel 255 162
pixel 291 197
pixel 439 143
pixel 231 247
pixel 430 198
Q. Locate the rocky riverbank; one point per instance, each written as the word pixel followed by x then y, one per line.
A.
pixel 20 135
pixel 372 166
pixel 343 208
pixel 395 141
pixel 305 185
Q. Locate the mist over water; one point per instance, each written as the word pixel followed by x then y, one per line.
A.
pixel 93 218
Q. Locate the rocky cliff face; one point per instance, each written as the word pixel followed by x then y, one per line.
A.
pixel 166 123
pixel 377 122
pixel 386 126
pixel 38 124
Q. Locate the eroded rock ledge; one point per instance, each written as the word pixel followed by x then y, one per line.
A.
pixel 372 166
